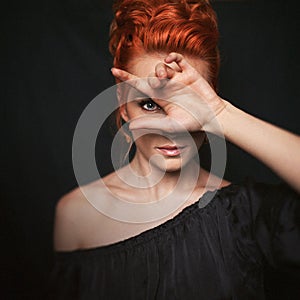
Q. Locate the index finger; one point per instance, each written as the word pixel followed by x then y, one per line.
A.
pixel 163 71
pixel 144 85
pixel 132 79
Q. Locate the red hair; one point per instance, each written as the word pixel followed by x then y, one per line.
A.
pixel 185 26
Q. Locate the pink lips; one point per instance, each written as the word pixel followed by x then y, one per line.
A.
pixel 169 150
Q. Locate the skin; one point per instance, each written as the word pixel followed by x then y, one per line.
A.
pixel 187 104
pixel 148 140
pixel 248 132
pixel 155 70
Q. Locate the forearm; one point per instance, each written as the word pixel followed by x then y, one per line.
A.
pixel 275 147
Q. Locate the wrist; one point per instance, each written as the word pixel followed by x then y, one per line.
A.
pixel 217 124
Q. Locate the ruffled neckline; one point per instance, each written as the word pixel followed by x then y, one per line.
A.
pixel 204 203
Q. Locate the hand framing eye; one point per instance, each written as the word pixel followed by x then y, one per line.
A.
pixel 181 91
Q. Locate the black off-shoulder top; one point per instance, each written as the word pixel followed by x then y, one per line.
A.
pixel 214 250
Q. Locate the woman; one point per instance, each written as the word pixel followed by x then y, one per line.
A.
pixel 166 51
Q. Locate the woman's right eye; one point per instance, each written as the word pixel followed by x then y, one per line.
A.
pixel 149 105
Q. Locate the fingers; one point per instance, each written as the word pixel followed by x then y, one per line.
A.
pixel 162 71
pixel 155 80
pixel 173 64
pixel 152 124
pixel 136 82
pixel 160 77
pixel 122 75
pixel 178 59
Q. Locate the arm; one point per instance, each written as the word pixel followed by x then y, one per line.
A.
pixel 194 104
pixel 66 225
pixel 275 147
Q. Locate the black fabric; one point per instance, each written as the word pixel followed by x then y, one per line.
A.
pixel 55 60
pixel 218 251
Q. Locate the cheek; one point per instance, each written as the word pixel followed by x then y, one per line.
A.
pixel 145 140
pixel 134 110
pixel 194 139
pixel 130 111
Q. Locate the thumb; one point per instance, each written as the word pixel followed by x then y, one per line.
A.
pixel 156 124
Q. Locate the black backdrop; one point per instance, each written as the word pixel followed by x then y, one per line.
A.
pixel 55 61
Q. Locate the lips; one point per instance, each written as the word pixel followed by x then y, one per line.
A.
pixel 170 150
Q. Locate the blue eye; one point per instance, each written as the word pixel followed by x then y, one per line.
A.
pixel 149 105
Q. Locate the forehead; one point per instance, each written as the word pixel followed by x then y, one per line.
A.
pixel 143 65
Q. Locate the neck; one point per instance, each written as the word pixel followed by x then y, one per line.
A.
pixel 156 183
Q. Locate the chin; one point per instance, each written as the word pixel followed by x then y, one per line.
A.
pixel 170 166
pixel 173 169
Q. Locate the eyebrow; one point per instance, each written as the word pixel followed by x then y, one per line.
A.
pixel 136 94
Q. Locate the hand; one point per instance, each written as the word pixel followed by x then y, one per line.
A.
pixel 185 96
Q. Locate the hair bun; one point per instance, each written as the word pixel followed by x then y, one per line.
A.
pixel 185 26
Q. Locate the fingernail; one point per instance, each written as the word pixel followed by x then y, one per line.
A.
pixel 115 72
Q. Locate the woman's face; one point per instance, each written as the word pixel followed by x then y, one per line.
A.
pixel 176 149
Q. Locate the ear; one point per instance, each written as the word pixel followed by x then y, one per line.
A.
pixel 119 94
pixel 122 105
pixel 123 112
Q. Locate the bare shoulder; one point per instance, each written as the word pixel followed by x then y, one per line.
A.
pixel 66 216
pixel 70 202
pixel 73 213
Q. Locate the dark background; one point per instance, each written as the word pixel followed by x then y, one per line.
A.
pixel 55 61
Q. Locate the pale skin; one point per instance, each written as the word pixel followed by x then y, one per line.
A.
pixel 276 148
pixel 192 103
